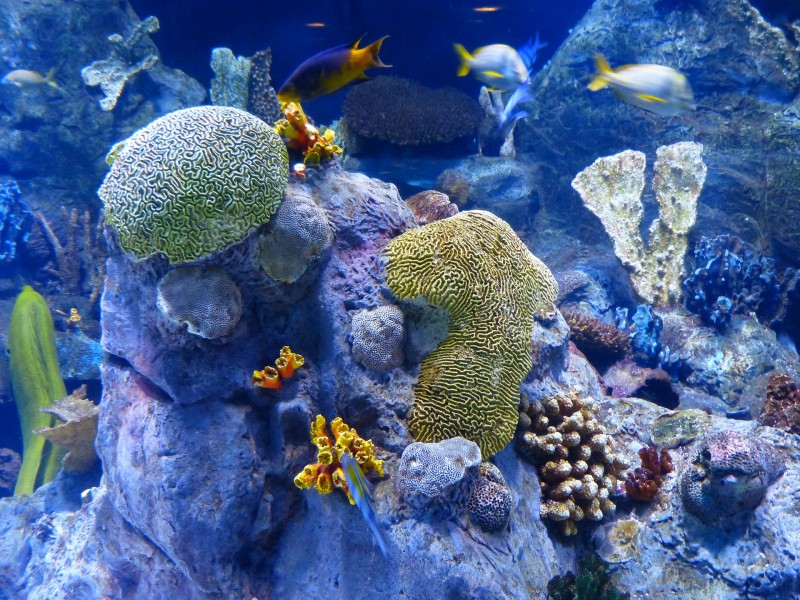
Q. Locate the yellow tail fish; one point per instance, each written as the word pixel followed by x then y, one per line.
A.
pixel 331 70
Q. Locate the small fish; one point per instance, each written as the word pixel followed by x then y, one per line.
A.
pixel 331 70
pixel 24 79
pixel 655 88
pixel 499 66
pixel 359 489
pixel 511 114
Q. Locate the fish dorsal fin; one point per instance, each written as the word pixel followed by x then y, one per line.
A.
pixel 354 45
pixel 651 98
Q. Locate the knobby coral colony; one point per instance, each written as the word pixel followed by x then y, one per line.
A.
pixel 305 139
pixel 644 482
pixel 285 366
pixel 327 472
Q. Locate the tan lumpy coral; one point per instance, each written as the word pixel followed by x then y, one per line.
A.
pixel 205 299
pixel 193 182
pixel 474 266
pixel 612 188
pixel 577 465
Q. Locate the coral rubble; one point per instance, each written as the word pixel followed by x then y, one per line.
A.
pixel 577 463
pixel 474 266
pixel 612 188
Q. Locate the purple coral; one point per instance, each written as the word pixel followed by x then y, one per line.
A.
pixel 729 475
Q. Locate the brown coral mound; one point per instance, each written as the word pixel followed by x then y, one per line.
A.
pixel 782 406
pixel 430 205
pixel 643 483
pixel 402 112
pixel 601 343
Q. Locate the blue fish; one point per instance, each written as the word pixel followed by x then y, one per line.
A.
pixel 359 490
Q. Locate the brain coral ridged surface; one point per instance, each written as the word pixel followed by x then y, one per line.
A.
pixel 193 182
pixel 474 266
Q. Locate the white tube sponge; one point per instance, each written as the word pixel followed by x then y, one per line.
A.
pixel 612 188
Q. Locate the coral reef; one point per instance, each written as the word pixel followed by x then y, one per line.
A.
pixel 578 466
pixel 645 333
pixel 327 472
pixel 592 583
pixel 36 382
pixel 601 343
pixel 9 468
pixel 285 366
pixel 15 221
pixel 612 188
pixel 129 56
pixel 430 205
pixel 377 337
pixel 643 483
pixel 78 431
pixel 80 258
pixel 439 477
pixel 490 502
pixel 295 236
pixel 160 198
pixel 204 299
pixel 303 138
pixel 262 100
pixel 731 277
pixel 474 266
pixel 405 113
pixel 782 404
pixel 729 475
pixel 229 86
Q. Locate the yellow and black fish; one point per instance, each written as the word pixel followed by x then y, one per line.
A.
pixel 331 70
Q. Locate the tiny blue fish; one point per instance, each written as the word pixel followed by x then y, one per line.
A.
pixel 359 490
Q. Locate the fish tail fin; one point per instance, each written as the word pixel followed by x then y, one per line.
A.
pixel 600 80
pixel 465 57
pixel 373 50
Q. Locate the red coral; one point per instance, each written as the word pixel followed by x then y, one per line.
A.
pixel 644 482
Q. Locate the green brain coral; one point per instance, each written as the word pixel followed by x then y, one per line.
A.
pixel 193 182
pixel 474 266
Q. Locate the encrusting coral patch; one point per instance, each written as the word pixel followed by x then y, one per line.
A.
pixel 474 266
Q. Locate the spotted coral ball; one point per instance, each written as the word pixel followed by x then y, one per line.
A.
pixel 490 505
pixel 193 182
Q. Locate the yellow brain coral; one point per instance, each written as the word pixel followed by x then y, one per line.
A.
pixel 327 472
pixel 474 266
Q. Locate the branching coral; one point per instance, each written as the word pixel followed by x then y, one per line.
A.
pixel 782 405
pixel 193 182
pixel 601 343
pixel 80 257
pixel 474 266
pixel 577 464
pixel 303 138
pixel 405 113
pixel 327 472
pixel 643 483
pixel 128 57
pixel 612 188
pixel 229 87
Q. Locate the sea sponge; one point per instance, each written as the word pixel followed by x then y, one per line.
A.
pixel 327 472
pixel 405 113
pixel 439 476
pixel 729 475
pixel 36 382
pixel 474 266
pixel 297 235
pixel 577 465
pixel 205 299
pixel 601 343
pixel 377 337
pixel 612 189
pixel 490 503
pixel 193 182
pixel 643 483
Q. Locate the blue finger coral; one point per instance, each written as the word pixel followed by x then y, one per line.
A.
pixel 193 182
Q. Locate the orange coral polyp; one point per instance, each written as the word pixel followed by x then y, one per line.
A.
pixel 267 378
pixel 284 367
